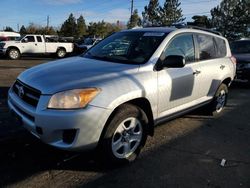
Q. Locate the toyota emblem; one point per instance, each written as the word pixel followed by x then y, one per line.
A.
pixel 20 91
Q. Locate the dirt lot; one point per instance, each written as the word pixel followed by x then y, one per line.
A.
pixel 185 152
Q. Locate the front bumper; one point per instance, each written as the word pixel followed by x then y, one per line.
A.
pixel 50 125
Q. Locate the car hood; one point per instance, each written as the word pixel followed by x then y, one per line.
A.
pixel 242 58
pixel 73 73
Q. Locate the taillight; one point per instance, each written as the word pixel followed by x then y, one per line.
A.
pixel 233 59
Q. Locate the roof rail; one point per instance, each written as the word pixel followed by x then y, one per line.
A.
pixel 201 28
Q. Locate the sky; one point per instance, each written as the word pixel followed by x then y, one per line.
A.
pixel 23 12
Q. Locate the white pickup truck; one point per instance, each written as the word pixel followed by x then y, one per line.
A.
pixel 34 44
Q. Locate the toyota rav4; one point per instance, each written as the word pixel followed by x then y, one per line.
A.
pixel 111 97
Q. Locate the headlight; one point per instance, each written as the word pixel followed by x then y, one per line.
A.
pixel 73 99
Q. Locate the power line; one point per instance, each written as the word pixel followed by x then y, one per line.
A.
pixel 132 8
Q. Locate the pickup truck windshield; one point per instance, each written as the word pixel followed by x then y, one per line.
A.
pixel 127 47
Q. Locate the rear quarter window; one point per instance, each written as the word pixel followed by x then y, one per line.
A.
pixel 221 49
pixel 206 47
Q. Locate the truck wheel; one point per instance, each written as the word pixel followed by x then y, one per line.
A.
pixel 124 137
pixel 14 54
pixel 61 53
pixel 220 99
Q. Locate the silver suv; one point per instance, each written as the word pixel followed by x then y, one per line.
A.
pixel 111 97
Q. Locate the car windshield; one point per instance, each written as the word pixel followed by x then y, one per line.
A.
pixel 127 47
pixel 240 47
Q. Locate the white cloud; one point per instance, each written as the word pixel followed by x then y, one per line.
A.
pixel 61 2
pixel 109 16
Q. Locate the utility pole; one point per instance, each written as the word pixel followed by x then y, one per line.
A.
pixel 47 22
pixel 18 29
pixel 132 8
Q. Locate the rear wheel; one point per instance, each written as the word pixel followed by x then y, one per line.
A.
pixel 125 135
pixel 14 54
pixel 220 99
pixel 61 53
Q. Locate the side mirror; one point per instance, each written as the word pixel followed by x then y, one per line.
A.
pixel 173 61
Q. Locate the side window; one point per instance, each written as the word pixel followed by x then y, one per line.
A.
pixel 206 47
pixel 182 45
pixel 30 38
pixel 220 47
pixel 39 39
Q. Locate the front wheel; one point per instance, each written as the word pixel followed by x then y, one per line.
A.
pixel 124 136
pixel 61 53
pixel 14 54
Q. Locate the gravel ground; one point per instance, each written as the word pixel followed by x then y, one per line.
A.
pixel 185 152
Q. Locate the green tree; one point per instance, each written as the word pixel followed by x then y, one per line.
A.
pixel 111 28
pixel 50 31
pixel 171 13
pixel 32 29
pixel 151 13
pixel 37 29
pixel 23 30
pixel 102 29
pixel 97 29
pixel 9 29
pixel 81 28
pixel 69 28
pixel 201 21
pixel 231 18
pixel 135 20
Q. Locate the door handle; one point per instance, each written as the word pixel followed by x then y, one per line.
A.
pixel 222 67
pixel 196 72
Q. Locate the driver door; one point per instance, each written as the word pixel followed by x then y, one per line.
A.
pixel 178 86
pixel 28 44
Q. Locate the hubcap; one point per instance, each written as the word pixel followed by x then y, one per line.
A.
pixel 127 137
pixel 61 53
pixel 13 54
pixel 221 100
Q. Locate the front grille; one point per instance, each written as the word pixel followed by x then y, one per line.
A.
pixel 26 93
pixel 31 118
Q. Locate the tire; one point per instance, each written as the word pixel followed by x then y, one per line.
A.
pixel 61 53
pixel 124 137
pixel 13 54
pixel 220 100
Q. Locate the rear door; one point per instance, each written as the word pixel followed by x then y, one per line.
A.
pixel 211 54
pixel 178 86
pixel 39 45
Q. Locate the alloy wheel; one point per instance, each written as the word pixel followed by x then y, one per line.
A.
pixel 127 137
